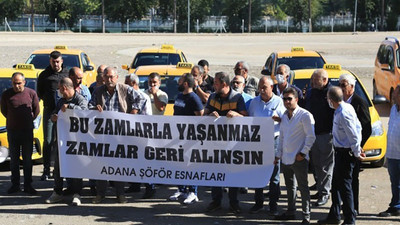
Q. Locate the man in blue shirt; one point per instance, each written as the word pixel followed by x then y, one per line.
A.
pixel 238 84
pixel 76 75
pixel 267 104
pixel 393 156
pixel 346 132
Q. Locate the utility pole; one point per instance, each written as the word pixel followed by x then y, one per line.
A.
pixel 309 17
pixel 382 15
pixel 174 16
pixel 355 17
pixel 102 17
pixel 249 26
pixel 188 16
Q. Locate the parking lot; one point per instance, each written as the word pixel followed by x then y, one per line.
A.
pixel 353 51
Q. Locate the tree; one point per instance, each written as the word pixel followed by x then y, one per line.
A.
pixel 238 10
pixel 10 9
pixel 121 10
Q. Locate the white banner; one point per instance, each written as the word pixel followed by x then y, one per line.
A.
pixel 180 150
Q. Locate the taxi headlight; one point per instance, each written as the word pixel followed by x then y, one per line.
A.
pixel 377 129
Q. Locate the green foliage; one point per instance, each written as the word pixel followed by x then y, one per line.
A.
pixel 10 9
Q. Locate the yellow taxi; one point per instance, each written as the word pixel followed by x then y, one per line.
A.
pixel 297 58
pixel 71 58
pixel 164 55
pixel 387 70
pixel 169 80
pixel 375 147
pixel 31 75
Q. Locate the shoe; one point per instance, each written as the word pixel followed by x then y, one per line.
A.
pixel 322 200
pixel 30 190
pixel 45 177
pixel 54 198
pixel 76 200
pixel 285 216
pixel 390 212
pixel 235 208
pixel 315 196
pixel 191 198
pixel 313 187
pixel 176 196
pixel 213 206
pixel 149 194
pixel 13 189
pixel 243 190
pixel 133 189
pixel 305 222
pixel 98 199
pixel 273 213
pixel 93 190
pixel 68 191
pixel 121 199
pixel 256 209
pixel 328 221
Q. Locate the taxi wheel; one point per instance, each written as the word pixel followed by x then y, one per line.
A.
pixel 379 163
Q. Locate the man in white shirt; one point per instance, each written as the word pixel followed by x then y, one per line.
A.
pixel 295 141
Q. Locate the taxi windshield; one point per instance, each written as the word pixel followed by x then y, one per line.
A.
pixel 296 63
pixel 169 84
pixel 304 84
pixel 145 59
pixel 41 61
pixel 5 83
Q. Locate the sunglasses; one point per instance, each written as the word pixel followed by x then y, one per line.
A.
pixel 287 99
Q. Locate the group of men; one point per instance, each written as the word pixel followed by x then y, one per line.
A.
pixel 324 125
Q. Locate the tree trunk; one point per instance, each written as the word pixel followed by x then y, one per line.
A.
pixel 32 16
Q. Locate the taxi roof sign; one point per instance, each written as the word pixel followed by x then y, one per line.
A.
pixel 184 65
pixel 25 67
pixel 297 49
pixel 332 67
pixel 164 46
pixel 61 47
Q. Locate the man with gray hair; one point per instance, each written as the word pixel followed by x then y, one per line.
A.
pixel 133 81
pixel 346 133
pixel 322 153
pixel 347 83
pixel 282 76
pixel 242 68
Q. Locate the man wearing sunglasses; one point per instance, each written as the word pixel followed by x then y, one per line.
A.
pixel 242 68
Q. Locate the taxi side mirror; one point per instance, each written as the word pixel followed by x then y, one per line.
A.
pixel 125 67
pixel 386 67
pixel 89 67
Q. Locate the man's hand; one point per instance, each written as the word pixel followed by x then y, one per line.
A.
pixel 153 90
pixel 232 113
pixel 54 117
pixel 64 107
pixel 300 157
pixel 99 108
pixel 214 113
pixel 276 118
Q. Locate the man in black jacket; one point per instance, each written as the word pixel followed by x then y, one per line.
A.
pixel 347 82
pixel 47 86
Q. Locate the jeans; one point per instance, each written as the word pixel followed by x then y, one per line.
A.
pixel 48 139
pixel 298 171
pixel 18 139
pixel 394 173
pixel 342 186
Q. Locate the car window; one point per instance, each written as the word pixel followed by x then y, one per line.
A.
pixel 305 84
pixel 85 60
pixel 145 59
pixel 268 64
pixel 381 54
pixel 296 63
pixel 390 57
pixel 5 83
pixel 169 84
pixel 41 61
pixel 183 57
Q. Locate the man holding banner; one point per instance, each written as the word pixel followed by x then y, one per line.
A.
pixel 70 100
pixel 187 103
pixel 267 104
pixel 224 102
pixel 113 96
pixel 295 141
